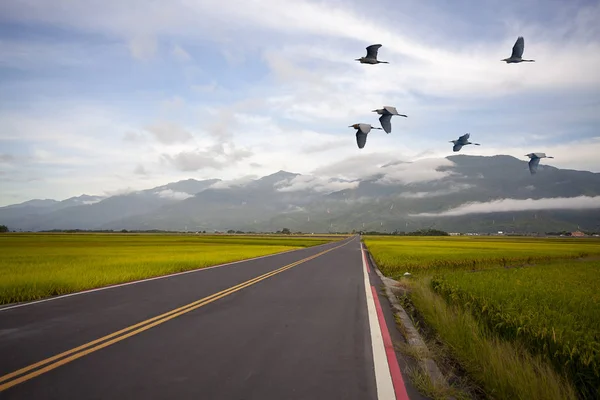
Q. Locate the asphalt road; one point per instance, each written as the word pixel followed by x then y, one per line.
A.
pixel 269 328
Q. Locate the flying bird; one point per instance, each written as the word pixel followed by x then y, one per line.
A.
pixel 535 161
pixel 371 57
pixel 386 117
pixel 362 130
pixel 462 141
pixel 517 52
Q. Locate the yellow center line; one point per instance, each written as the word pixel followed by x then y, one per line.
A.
pixel 141 326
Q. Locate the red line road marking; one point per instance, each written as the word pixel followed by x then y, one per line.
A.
pixel 397 380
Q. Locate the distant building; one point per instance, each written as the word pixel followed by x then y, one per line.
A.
pixel 454 234
pixel 578 234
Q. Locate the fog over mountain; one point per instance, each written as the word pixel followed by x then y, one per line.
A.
pixel 458 193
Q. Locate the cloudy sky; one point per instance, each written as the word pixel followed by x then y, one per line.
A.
pixel 102 96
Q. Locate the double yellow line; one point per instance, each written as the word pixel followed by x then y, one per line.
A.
pixel 31 371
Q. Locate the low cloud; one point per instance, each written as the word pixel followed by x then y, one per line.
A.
pixel 355 167
pixel 88 202
pixel 455 188
pixel 233 182
pixel 424 170
pixel 170 194
pixel 366 166
pixel 507 205
pixel 318 184
pixel 169 132
pixel 119 192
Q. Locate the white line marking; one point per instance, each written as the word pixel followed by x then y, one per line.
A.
pixel 383 378
pixel 154 278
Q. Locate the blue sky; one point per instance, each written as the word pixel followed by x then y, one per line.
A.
pixel 102 97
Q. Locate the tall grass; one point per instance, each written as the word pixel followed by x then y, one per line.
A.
pixel 554 310
pixel 34 266
pixel 505 370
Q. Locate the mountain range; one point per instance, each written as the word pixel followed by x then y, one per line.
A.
pixel 458 194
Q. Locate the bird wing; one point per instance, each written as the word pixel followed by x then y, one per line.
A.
pixel 533 164
pixel 372 51
pixel 517 50
pixel 457 147
pixel 464 137
pixel 391 110
pixel 386 122
pixel 361 139
pixel 364 128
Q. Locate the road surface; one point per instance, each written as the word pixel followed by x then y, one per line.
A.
pixel 306 324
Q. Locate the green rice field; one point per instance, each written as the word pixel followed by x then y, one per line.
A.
pixel 542 295
pixel 35 266
pixel 426 255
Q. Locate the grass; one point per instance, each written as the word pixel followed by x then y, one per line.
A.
pixel 553 309
pixel 505 305
pixel 35 266
pixel 504 369
pixel 423 383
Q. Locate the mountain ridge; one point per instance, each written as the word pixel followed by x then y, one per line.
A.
pixel 390 197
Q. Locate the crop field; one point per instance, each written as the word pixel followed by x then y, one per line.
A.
pixel 542 295
pixel 426 255
pixel 553 309
pixel 34 266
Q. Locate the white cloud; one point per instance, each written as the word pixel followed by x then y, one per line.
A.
pixel 506 205
pixel 226 184
pixel 173 103
pixel 169 132
pixel 120 191
pixel 473 67
pixel 133 137
pixel 140 170
pixel 170 194
pixel 296 118
pixel 418 171
pixel 455 188
pixel 374 164
pixel 88 202
pixel 318 184
pixel 217 156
